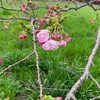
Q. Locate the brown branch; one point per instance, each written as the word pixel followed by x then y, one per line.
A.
pixel 81 6
pixel 37 61
pixel 10 66
pixel 70 95
pixel 21 18
pixel 11 9
pixel 73 8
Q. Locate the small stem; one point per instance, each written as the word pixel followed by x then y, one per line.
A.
pixel 98 97
pixel 94 80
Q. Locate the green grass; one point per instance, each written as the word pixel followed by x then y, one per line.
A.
pixel 59 69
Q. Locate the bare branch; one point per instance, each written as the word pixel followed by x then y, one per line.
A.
pixel 70 95
pixel 98 97
pixel 81 6
pixel 37 61
pixel 10 66
pixel 20 18
pixel 94 81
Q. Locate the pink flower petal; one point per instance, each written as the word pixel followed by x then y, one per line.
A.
pixel 43 36
pixel 5 25
pixel 0 60
pixel 68 39
pixel 59 98
pixel 62 43
pixel 50 45
pixel 41 21
pixel 36 5
pixel 92 21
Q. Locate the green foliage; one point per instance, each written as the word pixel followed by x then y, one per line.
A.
pixel 60 69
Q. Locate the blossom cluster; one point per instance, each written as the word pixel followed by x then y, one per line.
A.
pixel 52 19
pixel 24 6
pixel 48 43
pixel 53 35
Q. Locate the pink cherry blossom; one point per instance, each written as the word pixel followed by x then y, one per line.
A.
pixel 5 25
pixel 43 36
pixel 98 0
pixel 41 21
pixel 50 45
pixel 59 98
pixel 54 36
pixel 39 27
pixel 51 7
pixel 58 36
pixel 92 21
pixel 36 31
pixel 25 36
pixel 49 11
pixel 52 15
pixel 62 43
pixel 45 15
pixel 66 34
pixel 0 60
pixel 23 10
pixel 73 0
pixel 36 4
pixel 47 31
pixel 59 14
pixel 47 21
pixel 21 37
pixel 68 39
pixel 24 6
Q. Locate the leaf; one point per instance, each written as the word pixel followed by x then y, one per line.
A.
pixel 49 97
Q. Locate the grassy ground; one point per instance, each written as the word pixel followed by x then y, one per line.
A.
pixel 59 69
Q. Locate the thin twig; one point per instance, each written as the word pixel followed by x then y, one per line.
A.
pixel 94 81
pixel 98 97
pixel 10 66
pixel 70 95
pixel 81 6
pixel 16 18
pixel 12 34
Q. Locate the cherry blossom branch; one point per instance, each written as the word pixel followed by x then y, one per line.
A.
pixel 37 61
pixel 10 66
pixel 62 9
pixel 70 95
pixel 11 9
